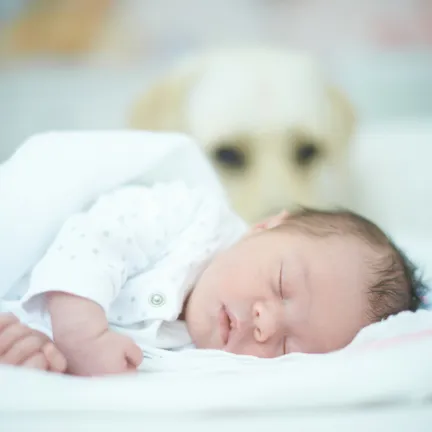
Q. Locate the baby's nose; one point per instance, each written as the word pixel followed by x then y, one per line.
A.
pixel 264 322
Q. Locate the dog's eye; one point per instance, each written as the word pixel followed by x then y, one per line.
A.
pixel 230 156
pixel 306 153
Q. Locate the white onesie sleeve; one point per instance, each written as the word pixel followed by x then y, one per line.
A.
pixel 98 250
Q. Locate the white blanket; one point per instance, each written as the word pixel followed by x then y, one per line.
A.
pixel 55 174
pixel 391 370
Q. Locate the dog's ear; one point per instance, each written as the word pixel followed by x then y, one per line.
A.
pixel 163 106
pixel 343 114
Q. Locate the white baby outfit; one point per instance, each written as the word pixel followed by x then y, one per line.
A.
pixel 137 252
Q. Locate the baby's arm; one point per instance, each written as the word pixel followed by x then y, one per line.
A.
pixel 84 271
pixel 80 330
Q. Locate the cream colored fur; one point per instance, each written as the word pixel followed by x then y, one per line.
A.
pixel 277 132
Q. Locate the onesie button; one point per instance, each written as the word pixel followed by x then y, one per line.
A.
pixel 157 300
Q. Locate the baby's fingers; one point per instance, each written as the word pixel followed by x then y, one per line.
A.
pixel 56 360
pixel 22 350
pixel 11 334
pixel 37 361
pixel 134 355
pixel 6 319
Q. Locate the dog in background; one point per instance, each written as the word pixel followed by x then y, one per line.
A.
pixel 276 131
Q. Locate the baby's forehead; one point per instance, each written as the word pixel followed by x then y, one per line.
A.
pixel 338 228
pixel 382 276
pixel 332 230
pixel 342 236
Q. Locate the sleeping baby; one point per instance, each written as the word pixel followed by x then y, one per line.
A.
pixel 171 267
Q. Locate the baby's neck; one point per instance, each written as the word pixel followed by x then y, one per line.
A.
pixel 182 316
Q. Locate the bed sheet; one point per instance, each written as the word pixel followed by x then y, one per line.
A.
pixel 385 374
pixel 396 418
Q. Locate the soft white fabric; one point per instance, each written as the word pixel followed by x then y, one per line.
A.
pixel 137 252
pixel 397 370
pixel 55 174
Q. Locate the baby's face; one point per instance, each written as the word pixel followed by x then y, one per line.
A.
pixel 277 292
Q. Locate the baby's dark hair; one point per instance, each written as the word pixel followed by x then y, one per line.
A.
pixel 396 285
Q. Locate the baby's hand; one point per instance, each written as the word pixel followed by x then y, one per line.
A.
pixel 108 353
pixel 81 332
pixel 21 345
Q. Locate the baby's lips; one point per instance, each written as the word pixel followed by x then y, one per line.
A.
pixel 224 325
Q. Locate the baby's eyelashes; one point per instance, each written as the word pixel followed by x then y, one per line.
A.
pixel 281 282
pixel 284 346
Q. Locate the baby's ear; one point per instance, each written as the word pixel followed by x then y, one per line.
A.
pixel 271 222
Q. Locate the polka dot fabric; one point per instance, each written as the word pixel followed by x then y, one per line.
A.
pixel 137 252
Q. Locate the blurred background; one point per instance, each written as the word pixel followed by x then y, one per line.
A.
pixel 68 64
pixel 79 63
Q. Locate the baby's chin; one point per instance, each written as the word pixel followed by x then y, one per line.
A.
pixel 202 324
pixel 204 335
pixel 209 342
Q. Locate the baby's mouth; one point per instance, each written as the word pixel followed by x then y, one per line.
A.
pixel 227 323
pixel 232 319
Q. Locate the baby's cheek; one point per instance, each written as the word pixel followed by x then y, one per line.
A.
pixel 234 282
pixel 256 350
pixel 218 282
